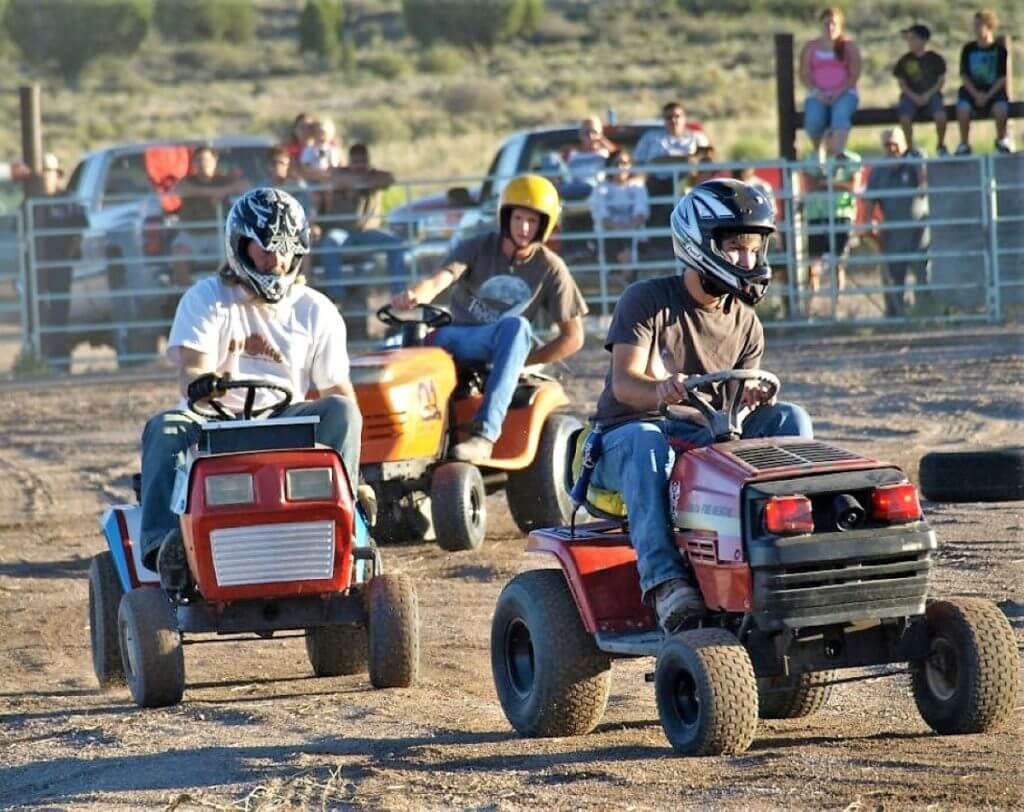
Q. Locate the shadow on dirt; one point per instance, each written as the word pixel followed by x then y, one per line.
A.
pixel 66 568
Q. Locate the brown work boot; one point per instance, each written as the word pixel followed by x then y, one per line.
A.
pixel 675 602
pixel 476 449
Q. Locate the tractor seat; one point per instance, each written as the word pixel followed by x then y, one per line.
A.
pixel 599 502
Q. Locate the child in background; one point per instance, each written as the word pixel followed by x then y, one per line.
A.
pixel 323 153
pixel 983 66
pixel 921 74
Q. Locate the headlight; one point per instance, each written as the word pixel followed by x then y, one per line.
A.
pixel 309 483
pixel 229 489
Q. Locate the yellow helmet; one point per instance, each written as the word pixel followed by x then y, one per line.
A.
pixel 535 193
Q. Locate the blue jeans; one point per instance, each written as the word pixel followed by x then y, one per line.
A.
pixel 331 250
pixel 819 116
pixel 505 344
pixel 637 460
pixel 169 434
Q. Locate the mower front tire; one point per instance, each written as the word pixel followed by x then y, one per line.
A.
pixel 706 692
pixel 151 650
pixel 394 631
pixel 105 594
pixel 793 696
pixel 458 503
pixel 337 651
pixel 550 676
pixel 536 495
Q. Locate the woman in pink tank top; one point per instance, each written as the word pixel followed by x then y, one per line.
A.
pixel 829 68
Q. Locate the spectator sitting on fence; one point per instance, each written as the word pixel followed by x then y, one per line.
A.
pixel 840 211
pixel 921 74
pixel 585 162
pixel 619 203
pixel 983 70
pixel 351 218
pixel 830 67
pixel 323 151
pixel 899 213
pixel 203 191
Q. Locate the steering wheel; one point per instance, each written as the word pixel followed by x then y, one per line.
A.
pixel 248 412
pixel 433 316
pixel 727 422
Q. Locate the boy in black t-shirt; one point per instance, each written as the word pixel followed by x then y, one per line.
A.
pixel 983 70
pixel 921 75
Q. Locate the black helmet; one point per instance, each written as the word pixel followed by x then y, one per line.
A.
pixel 277 222
pixel 712 212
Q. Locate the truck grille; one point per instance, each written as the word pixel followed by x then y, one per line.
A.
pixel 765 458
pixel 272 553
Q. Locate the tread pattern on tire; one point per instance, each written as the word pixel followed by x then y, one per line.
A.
pixel 451 490
pixel 992 475
pixel 337 651
pixel 536 495
pixel 792 697
pixel 576 674
pixel 105 593
pixel 992 648
pixel 160 679
pixel 394 631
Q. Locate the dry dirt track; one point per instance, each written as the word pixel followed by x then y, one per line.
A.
pixel 255 731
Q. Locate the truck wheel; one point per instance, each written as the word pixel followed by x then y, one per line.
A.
pixel 105 593
pixel 995 475
pixel 793 696
pixel 459 505
pixel 550 676
pixel 151 651
pixel 536 495
pixel 706 692
pixel 970 680
pixel 394 631
pixel 337 651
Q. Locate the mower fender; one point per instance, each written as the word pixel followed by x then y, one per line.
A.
pixel 120 525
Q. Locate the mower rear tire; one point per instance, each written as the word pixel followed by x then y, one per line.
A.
pixel 151 650
pixel 793 696
pixel 105 592
pixel 337 651
pixel 992 475
pixel 550 676
pixel 536 495
pixel 970 680
pixel 394 631
pixel 706 693
pixel 458 503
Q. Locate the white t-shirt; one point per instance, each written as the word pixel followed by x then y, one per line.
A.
pixel 660 143
pixel 585 167
pixel 620 202
pixel 299 342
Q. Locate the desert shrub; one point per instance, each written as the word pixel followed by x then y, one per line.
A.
pixel 72 34
pixel 318 28
pixel 190 20
pixel 752 148
pixel 472 97
pixel 377 126
pixel 385 64
pixel 471 23
pixel 440 59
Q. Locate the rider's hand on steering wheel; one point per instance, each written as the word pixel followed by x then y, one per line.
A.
pixel 206 385
pixel 671 389
pixel 757 395
pixel 406 300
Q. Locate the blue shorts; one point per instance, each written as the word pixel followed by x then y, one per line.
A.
pixel 964 101
pixel 819 116
pixel 908 109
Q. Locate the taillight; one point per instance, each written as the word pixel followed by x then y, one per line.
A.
pixel 788 515
pixel 895 503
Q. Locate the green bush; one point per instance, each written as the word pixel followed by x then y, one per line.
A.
pixel 189 20
pixel 378 126
pixel 440 59
pixel 318 28
pixel 72 33
pixel 385 64
pixel 471 23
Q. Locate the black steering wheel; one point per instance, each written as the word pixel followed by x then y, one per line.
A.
pixel 432 317
pixel 248 412
pixel 727 422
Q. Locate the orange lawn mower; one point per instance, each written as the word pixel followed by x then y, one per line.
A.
pixel 417 403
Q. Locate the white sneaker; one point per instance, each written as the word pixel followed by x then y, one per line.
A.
pixel 963 149
pixel 1003 145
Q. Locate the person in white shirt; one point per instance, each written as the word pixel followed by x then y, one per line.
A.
pixel 256 319
pixel 620 203
pixel 677 143
pixel 585 161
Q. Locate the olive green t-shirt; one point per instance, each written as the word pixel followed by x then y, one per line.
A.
pixel 489 286
pixel 679 335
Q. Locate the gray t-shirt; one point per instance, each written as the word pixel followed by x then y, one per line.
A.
pixel 900 175
pixel 679 335
pixel 488 285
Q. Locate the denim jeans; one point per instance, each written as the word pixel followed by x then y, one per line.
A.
pixel 819 116
pixel 169 434
pixel 637 461
pixel 332 249
pixel 505 344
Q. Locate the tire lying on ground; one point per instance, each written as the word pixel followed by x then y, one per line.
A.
pixel 993 475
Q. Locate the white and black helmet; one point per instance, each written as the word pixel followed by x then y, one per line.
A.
pixel 277 222
pixel 712 212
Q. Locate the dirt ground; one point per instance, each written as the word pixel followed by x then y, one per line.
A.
pixel 256 731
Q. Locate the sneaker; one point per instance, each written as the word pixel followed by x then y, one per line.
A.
pixel 942 152
pixel 367 499
pixel 675 602
pixel 476 449
pixel 914 152
pixel 171 562
pixel 1003 146
pixel 963 149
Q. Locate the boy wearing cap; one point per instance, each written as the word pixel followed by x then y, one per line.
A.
pixel 983 69
pixel 921 74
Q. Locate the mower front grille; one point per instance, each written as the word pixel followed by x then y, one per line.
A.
pixel 765 458
pixel 273 553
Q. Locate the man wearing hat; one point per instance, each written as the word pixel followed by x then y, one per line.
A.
pixel 921 74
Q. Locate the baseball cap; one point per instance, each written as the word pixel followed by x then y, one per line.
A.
pixel 51 163
pixel 918 30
